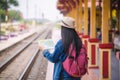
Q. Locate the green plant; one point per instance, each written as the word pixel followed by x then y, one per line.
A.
pixel 2 33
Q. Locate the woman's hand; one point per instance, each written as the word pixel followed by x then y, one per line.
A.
pixel 41 48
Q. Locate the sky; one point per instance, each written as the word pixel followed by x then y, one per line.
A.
pixel 38 8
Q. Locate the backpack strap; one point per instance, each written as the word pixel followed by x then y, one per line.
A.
pixel 69 55
pixel 87 59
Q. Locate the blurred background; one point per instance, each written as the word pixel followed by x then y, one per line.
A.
pixel 17 15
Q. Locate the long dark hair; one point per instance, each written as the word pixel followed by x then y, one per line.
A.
pixel 70 36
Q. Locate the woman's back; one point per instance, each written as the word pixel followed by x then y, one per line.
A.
pixel 70 36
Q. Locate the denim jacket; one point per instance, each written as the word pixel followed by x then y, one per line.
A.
pixel 57 57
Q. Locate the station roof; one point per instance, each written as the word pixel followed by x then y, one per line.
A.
pixel 67 5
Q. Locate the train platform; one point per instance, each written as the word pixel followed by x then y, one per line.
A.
pixel 56 35
pixel 13 40
pixel 93 73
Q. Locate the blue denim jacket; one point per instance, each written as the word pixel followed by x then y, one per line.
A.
pixel 57 57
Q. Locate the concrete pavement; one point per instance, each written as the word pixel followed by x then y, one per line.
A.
pixel 13 40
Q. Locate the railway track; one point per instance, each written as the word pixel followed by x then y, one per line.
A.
pixel 19 60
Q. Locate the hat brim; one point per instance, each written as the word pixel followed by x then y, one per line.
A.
pixel 62 24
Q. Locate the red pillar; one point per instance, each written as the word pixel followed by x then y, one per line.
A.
pixel 105 58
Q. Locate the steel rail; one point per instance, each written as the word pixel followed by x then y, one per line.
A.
pixel 10 59
pixel 26 71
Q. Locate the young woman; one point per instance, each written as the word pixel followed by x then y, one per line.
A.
pixel 69 36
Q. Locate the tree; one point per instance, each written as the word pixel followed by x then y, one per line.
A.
pixel 5 4
pixel 14 15
pixel 2 15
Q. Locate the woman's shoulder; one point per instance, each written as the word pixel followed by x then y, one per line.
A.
pixel 59 42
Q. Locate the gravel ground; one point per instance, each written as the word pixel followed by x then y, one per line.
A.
pixel 43 69
pixel 39 70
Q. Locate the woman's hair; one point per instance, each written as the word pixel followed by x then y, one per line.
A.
pixel 70 36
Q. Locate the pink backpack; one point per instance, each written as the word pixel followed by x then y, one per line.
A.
pixel 76 67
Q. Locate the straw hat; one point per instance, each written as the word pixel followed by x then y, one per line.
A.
pixel 68 22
